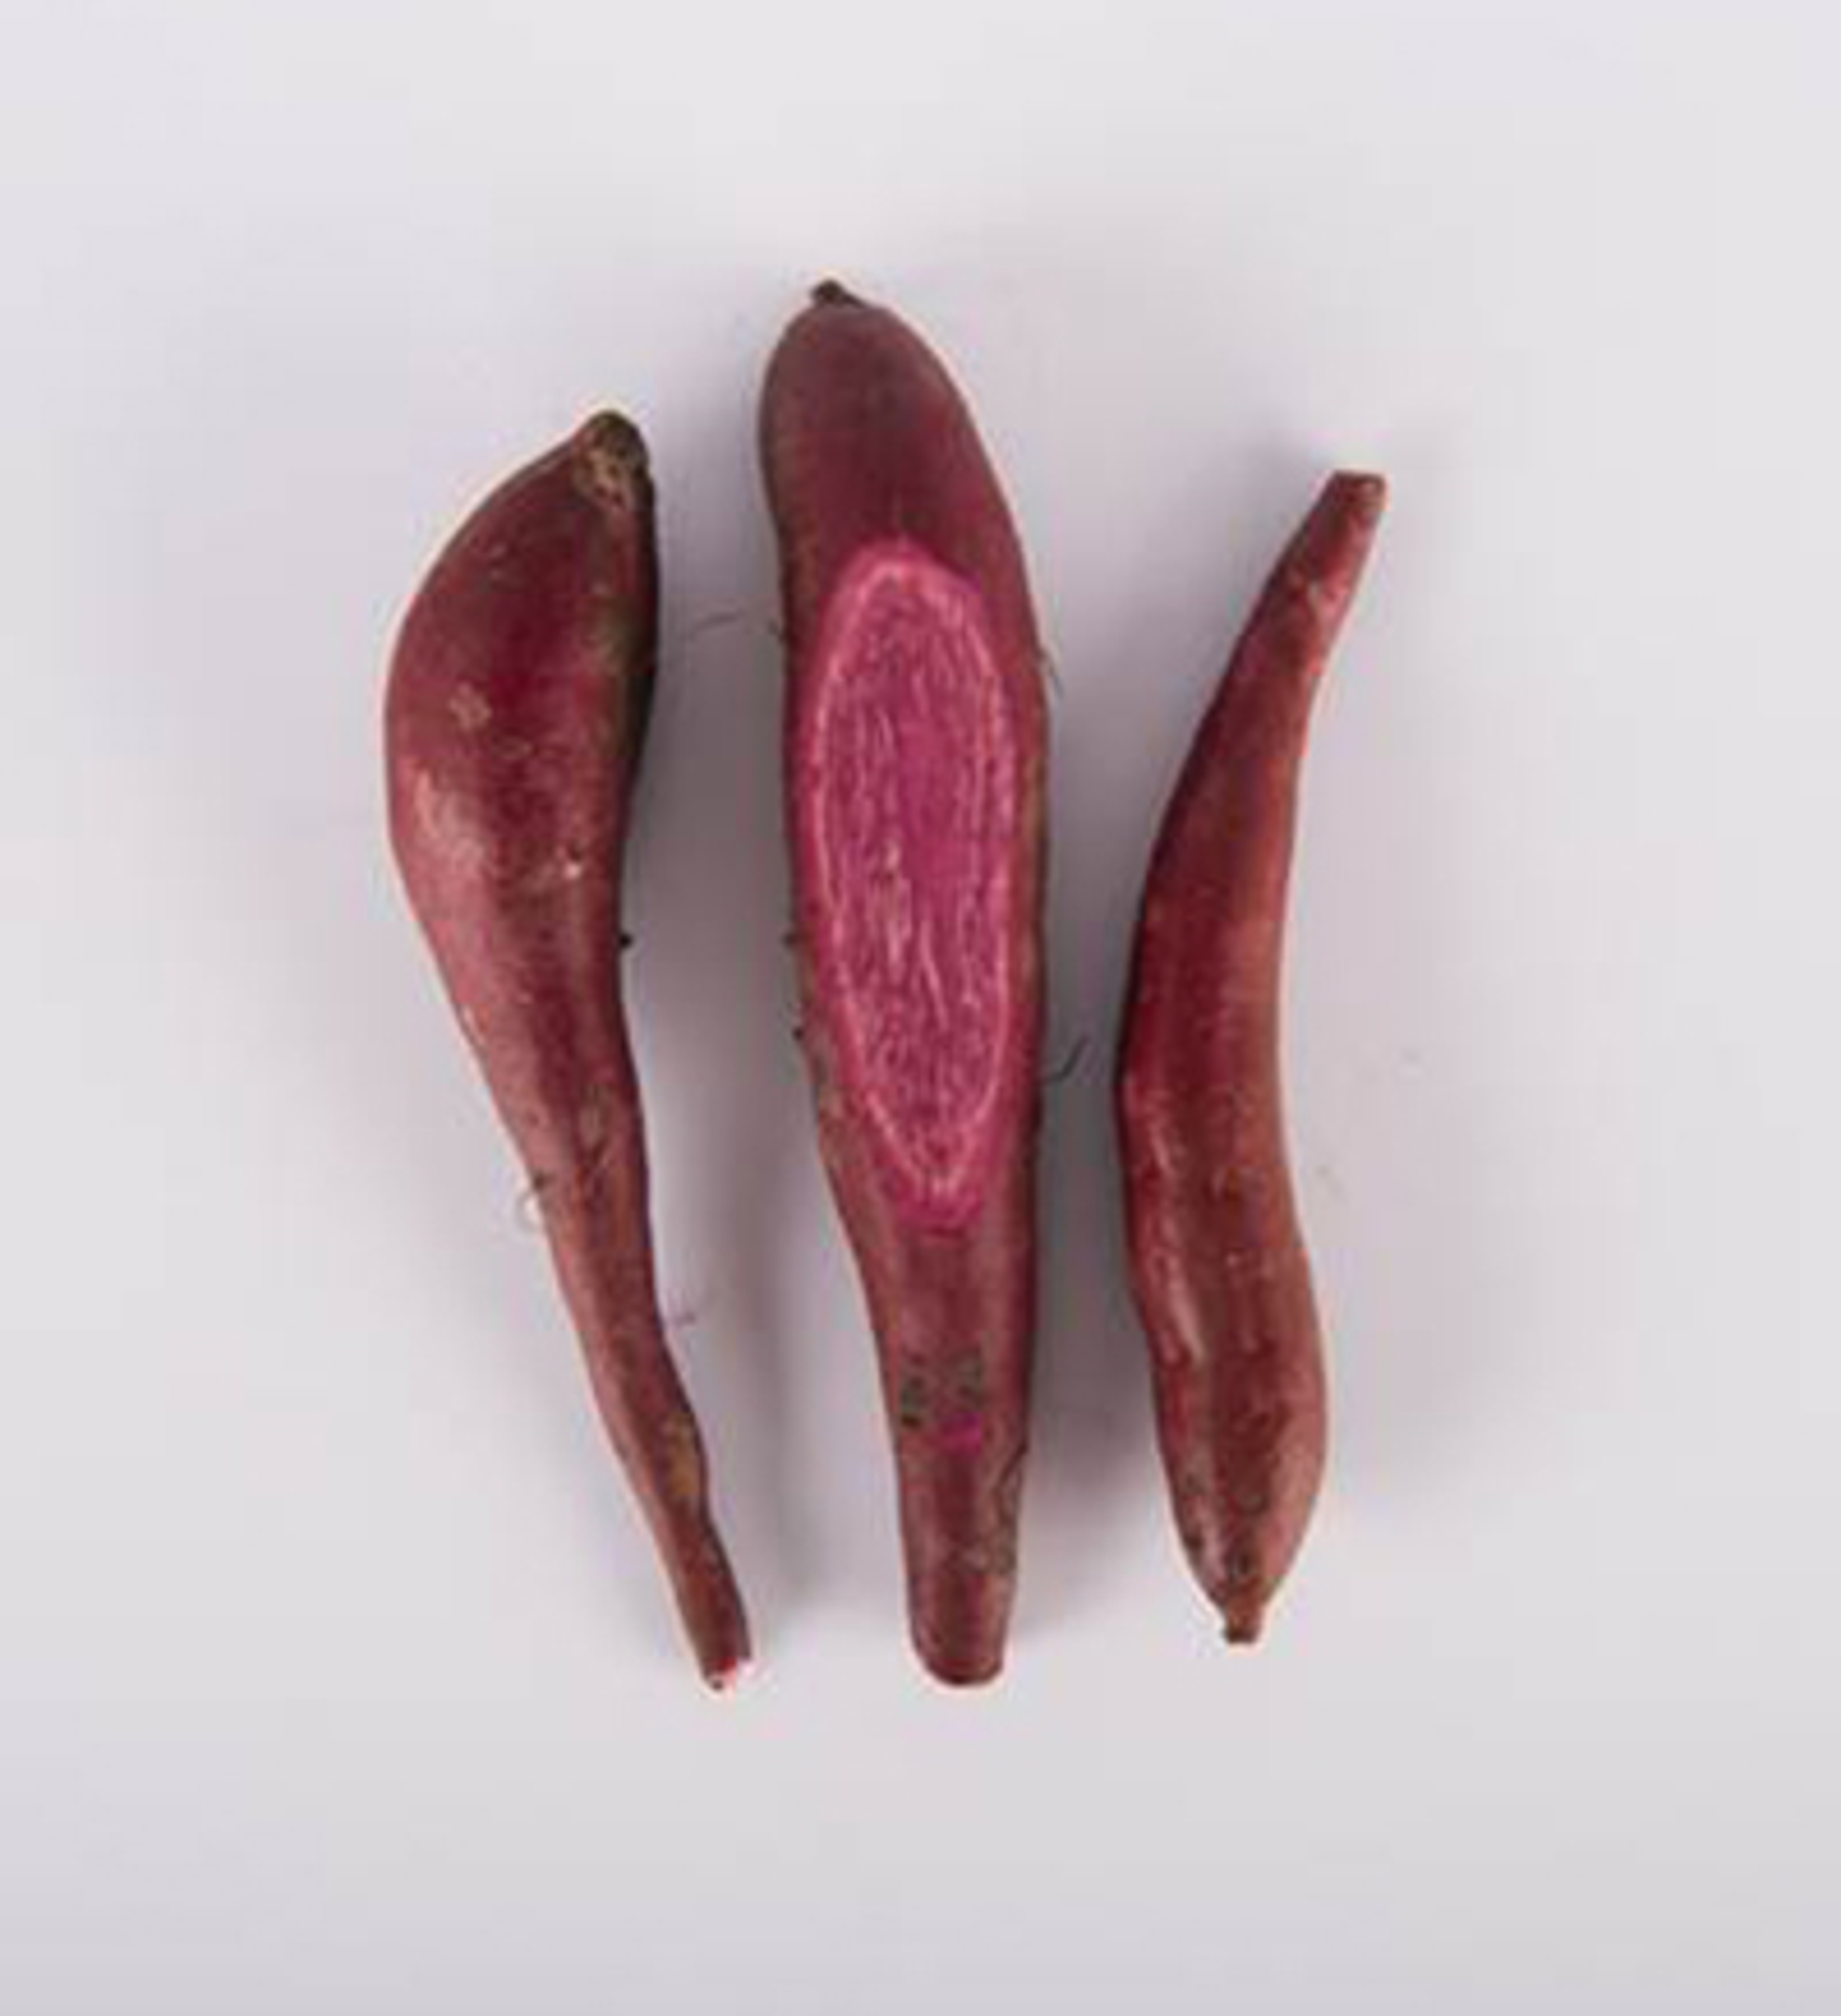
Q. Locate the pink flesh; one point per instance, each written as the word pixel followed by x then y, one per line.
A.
pixel 910 812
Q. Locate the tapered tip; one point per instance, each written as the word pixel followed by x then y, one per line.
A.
pixel 611 465
pixel 709 1603
pixel 958 1627
pixel 964 1668
pixel 1361 493
pixel 1243 1622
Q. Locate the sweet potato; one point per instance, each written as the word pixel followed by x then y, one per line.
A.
pixel 916 756
pixel 1219 1268
pixel 517 713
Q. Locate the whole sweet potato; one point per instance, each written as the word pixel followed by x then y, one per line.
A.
pixel 915 754
pixel 517 713
pixel 1219 1268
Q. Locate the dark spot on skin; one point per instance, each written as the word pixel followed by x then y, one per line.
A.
pixel 611 465
pixel 911 1402
pixel 1259 1418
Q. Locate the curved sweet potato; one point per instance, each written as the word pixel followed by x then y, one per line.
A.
pixel 1219 1268
pixel 517 713
pixel 915 755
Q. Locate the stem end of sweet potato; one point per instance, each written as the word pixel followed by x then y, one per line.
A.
pixel 1364 494
pixel 611 465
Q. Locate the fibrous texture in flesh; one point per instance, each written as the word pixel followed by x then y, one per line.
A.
pixel 912 816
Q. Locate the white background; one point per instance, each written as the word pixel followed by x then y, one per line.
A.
pixel 335 1672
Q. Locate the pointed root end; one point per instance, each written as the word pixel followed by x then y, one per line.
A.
pixel 724 1679
pixel 1244 1621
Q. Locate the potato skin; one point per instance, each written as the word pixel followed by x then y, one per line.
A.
pixel 868 450
pixel 516 716
pixel 1219 1272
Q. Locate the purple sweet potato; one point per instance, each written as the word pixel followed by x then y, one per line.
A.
pixel 517 713
pixel 916 758
pixel 1219 1268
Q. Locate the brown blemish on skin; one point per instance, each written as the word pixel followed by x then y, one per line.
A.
pixel 684 1463
pixel 610 465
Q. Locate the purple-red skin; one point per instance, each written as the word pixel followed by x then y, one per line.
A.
pixel 1219 1268
pixel 518 701
pixel 916 754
